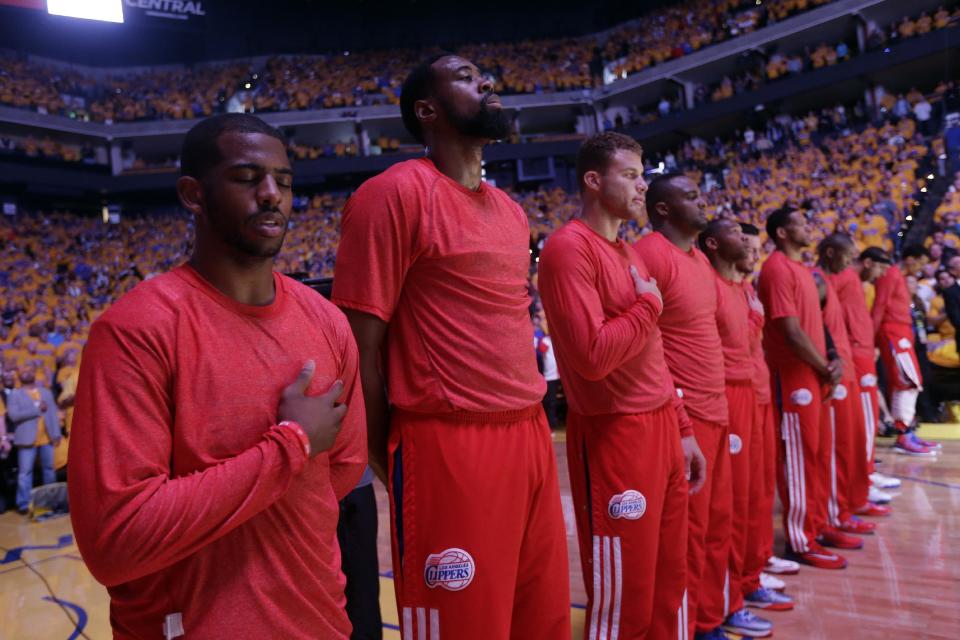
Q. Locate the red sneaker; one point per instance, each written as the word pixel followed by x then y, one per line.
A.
pixel 819 557
pixel 907 445
pixel 874 510
pixel 831 537
pixel 854 524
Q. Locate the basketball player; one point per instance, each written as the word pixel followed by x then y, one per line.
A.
pixel 210 441
pixel 795 344
pixel 624 427
pixel 694 356
pixel 837 252
pixel 846 468
pixel 723 243
pixel 759 562
pixel 893 329
pixel 432 272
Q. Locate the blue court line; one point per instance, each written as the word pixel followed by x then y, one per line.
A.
pixel 387 625
pixel 20 567
pixel 14 554
pixel 77 609
pixel 935 483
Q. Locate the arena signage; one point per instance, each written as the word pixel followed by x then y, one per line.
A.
pixel 169 9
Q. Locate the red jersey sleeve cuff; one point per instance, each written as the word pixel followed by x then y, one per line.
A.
pixel 653 302
pixel 288 427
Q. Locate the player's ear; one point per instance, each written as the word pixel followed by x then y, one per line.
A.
pixel 190 193
pixel 425 110
pixel 591 180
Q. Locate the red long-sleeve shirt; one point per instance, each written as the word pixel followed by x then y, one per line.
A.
pixel 856 316
pixel 834 322
pixel 892 302
pixel 761 373
pixel 735 328
pixel 689 324
pixel 608 345
pixel 185 497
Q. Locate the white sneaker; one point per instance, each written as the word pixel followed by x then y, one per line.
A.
pixel 768 581
pixel 881 481
pixel 878 497
pixel 781 566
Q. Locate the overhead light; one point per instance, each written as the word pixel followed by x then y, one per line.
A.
pixel 923 190
pixel 102 10
pixel 909 218
pixel 930 177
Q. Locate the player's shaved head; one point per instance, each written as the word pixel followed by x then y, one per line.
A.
pixel 201 151
pixel 659 189
pixel 417 86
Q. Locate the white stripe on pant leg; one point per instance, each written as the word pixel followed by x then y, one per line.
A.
pixel 908 369
pixel 802 477
pixel 833 507
pixel 726 594
pixel 798 507
pixel 421 624
pixel 793 492
pixel 597 593
pixel 617 588
pixel 407 624
pixel 605 610
pixel 682 618
pixel 868 426
pixel 434 624
pixel 785 436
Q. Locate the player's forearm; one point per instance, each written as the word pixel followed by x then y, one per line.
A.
pixel 803 348
pixel 126 532
pixel 618 340
pixel 378 415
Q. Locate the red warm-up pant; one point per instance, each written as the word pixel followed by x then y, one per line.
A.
pixel 904 379
pixel 801 464
pixel 708 545
pixel 479 545
pixel 866 369
pixel 747 485
pixel 763 478
pixel 899 358
pixel 630 496
pixel 849 478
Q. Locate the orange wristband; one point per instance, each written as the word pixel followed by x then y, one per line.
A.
pixel 304 440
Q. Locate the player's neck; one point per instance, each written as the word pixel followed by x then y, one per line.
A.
pixel 459 160
pixel 726 270
pixel 793 252
pixel 681 239
pixel 248 282
pixel 597 218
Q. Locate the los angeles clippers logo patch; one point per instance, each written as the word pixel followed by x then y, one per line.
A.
pixel 840 393
pixel 904 343
pixel 630 505
pixel 452 569
pixel 801 397
pixel 868 380
pixel 736 444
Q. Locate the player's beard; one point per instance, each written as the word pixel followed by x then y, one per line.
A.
pixel 233 236
pixel 490 124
